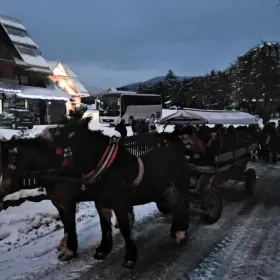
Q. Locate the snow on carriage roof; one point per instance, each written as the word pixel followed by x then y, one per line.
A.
pixel 197 116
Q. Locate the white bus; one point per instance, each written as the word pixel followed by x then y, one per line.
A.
pixel 128 106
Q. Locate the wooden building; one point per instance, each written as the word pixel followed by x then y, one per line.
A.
pixel 68 81
pixel 24 75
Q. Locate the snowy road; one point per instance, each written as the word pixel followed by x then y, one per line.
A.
pixel 244 244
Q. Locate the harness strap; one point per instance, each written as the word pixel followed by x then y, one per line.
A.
pixel 141 172
pixel 105 162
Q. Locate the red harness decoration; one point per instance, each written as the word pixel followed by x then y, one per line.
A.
pixel 105 162
pixel 59 151
pixel 66 161
pixel 141 171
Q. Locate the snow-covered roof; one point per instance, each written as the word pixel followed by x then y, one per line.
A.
pixel 50 93
pixel 69 71
pixel 38 61
pixel 52 65
pixel 61 69
pixel 9 86
pixel 11 22
pixel 196 116
pixel 26 47
pixel 21 40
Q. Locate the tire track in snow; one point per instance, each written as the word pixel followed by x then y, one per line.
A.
pixel 247 255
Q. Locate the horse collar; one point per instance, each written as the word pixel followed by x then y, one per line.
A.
pixel 105 162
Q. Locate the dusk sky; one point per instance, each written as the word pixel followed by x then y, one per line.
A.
pixel 110 43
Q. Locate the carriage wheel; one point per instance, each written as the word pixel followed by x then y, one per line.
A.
pixel 163 208
pixel 250 181
pixel 213 205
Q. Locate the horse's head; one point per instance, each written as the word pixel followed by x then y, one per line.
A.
pixel 22 156
pixel 84 146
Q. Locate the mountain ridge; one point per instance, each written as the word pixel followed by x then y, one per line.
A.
pixel 152 81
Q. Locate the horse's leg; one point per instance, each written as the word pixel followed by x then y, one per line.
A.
pixel 131 253
pixel 69 217
pixel 178 197
pixel 106 245
pixel 131 219
pixel 63 240
pixel 60 210
pixel 274 154
pixel 180 221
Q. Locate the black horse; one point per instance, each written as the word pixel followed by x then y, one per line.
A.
pixel 39 158
pixel 118 180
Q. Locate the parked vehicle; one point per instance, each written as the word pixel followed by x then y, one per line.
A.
pixel 15 118
pixel 117 105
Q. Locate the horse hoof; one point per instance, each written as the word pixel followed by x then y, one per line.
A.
pixel 129 264
pixel 100 255
pixel 59 248
pixel 182 242
pixel 181 238
pixel 66 254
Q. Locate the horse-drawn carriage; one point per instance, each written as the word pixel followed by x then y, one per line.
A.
pixel 230 165
pixel 225 166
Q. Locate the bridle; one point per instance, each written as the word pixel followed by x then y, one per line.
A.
pixel 12 158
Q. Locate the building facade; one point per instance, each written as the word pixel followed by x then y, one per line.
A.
pixel 68 81
pixel 24 75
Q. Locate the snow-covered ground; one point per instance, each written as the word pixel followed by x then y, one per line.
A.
pixel 243 244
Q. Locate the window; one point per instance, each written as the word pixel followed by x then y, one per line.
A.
pixel 140 100
pixel 23 80
pixel 16 31
pixel 29 50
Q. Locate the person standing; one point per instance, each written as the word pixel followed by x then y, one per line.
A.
pixel 121 128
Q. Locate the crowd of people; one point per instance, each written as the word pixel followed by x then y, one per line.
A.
pixel 201 137
pixel 139 126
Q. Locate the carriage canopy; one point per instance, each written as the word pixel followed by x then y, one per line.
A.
pixel 196 116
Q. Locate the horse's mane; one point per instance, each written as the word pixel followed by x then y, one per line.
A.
pixel 98 134
pixel 75 118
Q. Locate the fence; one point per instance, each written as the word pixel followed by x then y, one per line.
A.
pixel 141 144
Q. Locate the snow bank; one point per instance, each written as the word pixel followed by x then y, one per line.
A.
pixel 7 134
pixel 20 225
pixel 24 194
